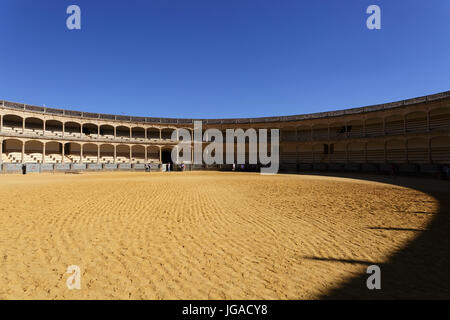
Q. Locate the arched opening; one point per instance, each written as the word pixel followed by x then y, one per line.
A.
pixel 306 154
pixel 355 128
pixel 122 154
pixel 12 151
pixel 72 152
pixel 356 152
pixel 138 133
pixel 416 122
pixel 288 154
pixel 337 130
pixel 34 126
pixel 320 153
pixel 417 150
pixel 320 132
pixel 395 125
pixel 288 134
pixel 440 150
pixel 395 151
pixel 166 134
pixel 123 132
pixel 53 152
pixel 440 119
pixel 33 151
pixel 339 152
pixel 153 133
pixel 90 153
pixel 53 128
pixel 107 153
pixel 152 154
pixel 106 131
pixel 375 152
pixel 72 129
pixel 304 133
pixel 166 156
pixel 12 124
pixel 138 154
pixel 374 127
pixel 90 130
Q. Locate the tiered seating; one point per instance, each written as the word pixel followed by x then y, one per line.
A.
pixel 138 160
pixel 374 129
pixel 12 130
pixel 120 159
pixel 355 131
pixel 418 155
pixel 90 159
pixel 14 157
pixel 106 136
pixel 440 121
pixel 33 132
pixel 53 133
pixel 416 125
pixel 53 158
pixel 73 158
pixel 375 155
pixel 395 127
pixel 320 133
pixel 107 159
pixel 33 158
pixel 72 134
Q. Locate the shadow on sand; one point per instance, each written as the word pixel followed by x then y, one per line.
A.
pixel 421 270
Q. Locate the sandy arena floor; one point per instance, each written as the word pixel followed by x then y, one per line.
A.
pixel 198 235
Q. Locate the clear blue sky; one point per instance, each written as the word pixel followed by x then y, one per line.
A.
pixel 222 58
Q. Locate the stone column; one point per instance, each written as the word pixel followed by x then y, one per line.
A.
pixel 406 151
pixel 23 126
pixel 160 154
pixel 23 152
pixel 43 152
pixel 63 128
pixel 404 124
pixel 1 151
pixel 115 150
pixel 115 133
pixel 98 154
pixel 81 153
pixel 131 153
pixel 430 160
pixel 43 127
pixel 160 135
pixel 145 149
pixel 346 153
pixel 365 152
pixel 63 151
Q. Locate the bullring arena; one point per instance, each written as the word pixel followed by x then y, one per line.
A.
pixel 369 193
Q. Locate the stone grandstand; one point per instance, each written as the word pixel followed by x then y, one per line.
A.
pixel 412 136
